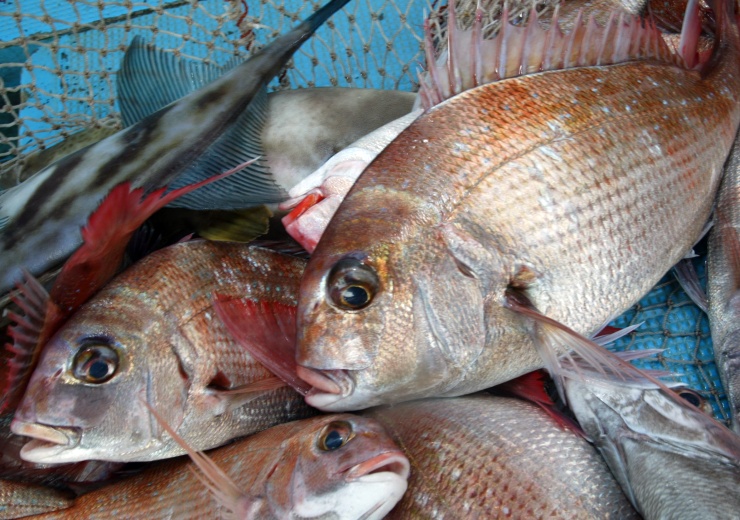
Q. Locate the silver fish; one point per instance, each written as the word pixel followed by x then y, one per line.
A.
pixel 723 284
pixel 40 219
pixel 673 461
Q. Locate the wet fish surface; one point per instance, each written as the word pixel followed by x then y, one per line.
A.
pixel 335 466
pixel 152 333
pixel 525 189
pixel 672 461
pixel 723 284
pixel 485 456
pixel 41 219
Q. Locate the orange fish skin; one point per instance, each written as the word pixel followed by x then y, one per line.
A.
pixel 267 466
pixel 172 350
pixel 485 456
pixel 19 500
pixel 580 187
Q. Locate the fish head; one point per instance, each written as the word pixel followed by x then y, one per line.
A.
pixel 84 399
pixel 338 466
pixel 374 323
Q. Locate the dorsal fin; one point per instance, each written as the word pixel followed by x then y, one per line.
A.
pixel 472 60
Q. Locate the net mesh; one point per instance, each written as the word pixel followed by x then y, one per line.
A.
pixel 59 59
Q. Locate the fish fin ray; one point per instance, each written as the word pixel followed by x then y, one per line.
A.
pixel 252 186
pixel 150 79
pixel 238 396
pixel 531 48
pixel 270 336
pixel 688 279
pixel 215 479
pixel 30 330
pixel 611 336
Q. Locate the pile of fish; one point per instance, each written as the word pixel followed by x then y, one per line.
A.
pixel 554 165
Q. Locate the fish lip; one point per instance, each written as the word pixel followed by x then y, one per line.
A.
pixel 44 435
pixel 335 382
pixel 396 462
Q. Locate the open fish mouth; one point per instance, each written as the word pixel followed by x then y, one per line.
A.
pixel 330 387
pixel 47 441
pixel 392 464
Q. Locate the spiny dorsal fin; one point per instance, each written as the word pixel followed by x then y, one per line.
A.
pixel 472 60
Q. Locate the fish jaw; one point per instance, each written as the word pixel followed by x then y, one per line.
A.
pixel 49 443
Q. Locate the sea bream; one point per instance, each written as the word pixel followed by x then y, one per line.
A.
pixel 333 466
pixel 515 214
pixel 153 333
pixel 723 284
pixel 41 218
pixel 486 456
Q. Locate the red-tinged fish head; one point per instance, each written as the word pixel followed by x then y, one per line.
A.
pixel 83 401
pixel 341 466
pixel 372 322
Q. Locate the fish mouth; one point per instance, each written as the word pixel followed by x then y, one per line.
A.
pixel 392 464
pixel 330 387
pixel 47 441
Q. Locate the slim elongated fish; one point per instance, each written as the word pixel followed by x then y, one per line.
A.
pixel 516 212
pixel 153 333
pixel 333 466
pixel 495 457
pixel 41 218
pixel 672 461
pixel 723 284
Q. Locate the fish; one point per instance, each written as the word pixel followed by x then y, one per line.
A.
pixel 153 332
pixel 723 284
pixel 485 456
pixel 40 219
pixel 316 198
pixel 672 460
pixel 331 466
pixel 512 218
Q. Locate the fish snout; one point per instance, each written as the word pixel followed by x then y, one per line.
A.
pixel 47 441
pixel 329 387
pixel 390 464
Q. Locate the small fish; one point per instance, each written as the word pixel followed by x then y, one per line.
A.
pixel 495 457
pixel 152 332
pixel 723 283
pixel 40 219
pixel 332 466
pixel 672 460
pixel 518 213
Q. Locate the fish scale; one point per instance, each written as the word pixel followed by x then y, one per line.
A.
pixel 580 187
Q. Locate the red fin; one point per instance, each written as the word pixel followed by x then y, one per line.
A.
pixel 531 387
pixel 105 237
pixel 471 60
pixel 223 488
pixel 267 331
pixel 31 329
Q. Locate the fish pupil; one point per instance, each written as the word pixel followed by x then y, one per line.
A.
pixel 355 296
pixel 691 398
pixel 333 440
pixel 98 369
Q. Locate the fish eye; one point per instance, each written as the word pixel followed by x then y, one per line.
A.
pixel 335 435
pixel 352 284
pixel 95 363
pixel 691 397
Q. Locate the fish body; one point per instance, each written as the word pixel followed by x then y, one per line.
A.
pixel 154 334
pixel 42 217
pixel 527 187
pixel 673 461
pixel 495 457
pixel 282 472
pixel 19 500
pixel 723 284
